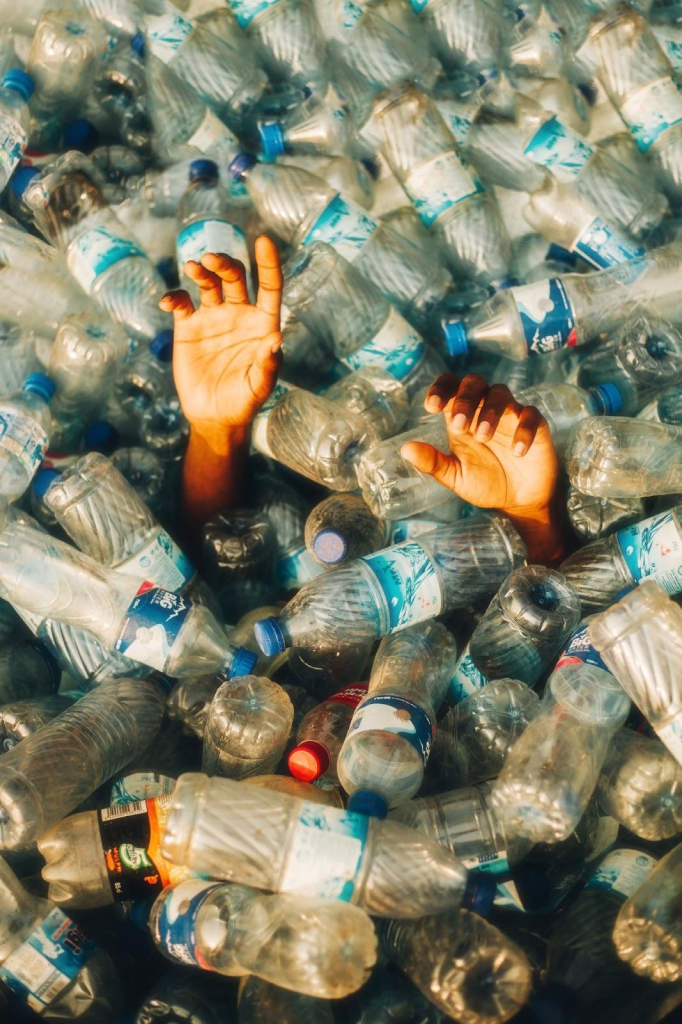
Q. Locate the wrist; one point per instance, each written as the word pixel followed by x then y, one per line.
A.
pixel 542 531
pixel 220 438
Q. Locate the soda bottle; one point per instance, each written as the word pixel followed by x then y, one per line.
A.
pixel 17 89
pixel 623 458
pixel 247 728
pixel 320 736
pixel 25 425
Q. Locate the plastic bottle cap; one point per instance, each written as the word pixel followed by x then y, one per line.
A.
pixel 20 81
pixel 269 636
pixel 329 546
pixel 203 169
pixel 558 254
pixel 101 436
pixel 162 346
pixel 367 802
pixel 40 384
pixel 271 139
pixel 81 134
pixel 241 165
pixel 455 338
pixel 22 178
pixel 479 893
pixel 308 761
pixel 243 663
pixel 43 480
pixel 137 43
pixel 609 397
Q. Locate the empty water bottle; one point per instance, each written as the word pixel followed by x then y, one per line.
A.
pixel 22 719
pixel 287 38
pixel 564 405
pixel 247 728
pixel 146 378
pixel 466 34
pixel 147 474
pixel 341 528
pixel 25 427
pixel 624 458
pixel 17 88
pixel 375 395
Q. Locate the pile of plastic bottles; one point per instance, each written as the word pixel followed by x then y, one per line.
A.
pixel 370 766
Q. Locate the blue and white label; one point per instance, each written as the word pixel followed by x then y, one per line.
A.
pixel 601 246
pixel 95 251
pixel 418 5
pixel 622 871
pixel 409 582
pixel 212 235
pixel 440 184
pixel 406 529
pixel 24 438
pixel 579 651
pixel 651 111
pixel 490 863
pixel 259 427
pixel 559 149
pixel 140 786
pixel 388 713
pixel 50 958
pixel 151 626
pixel 466 679
pixel 546 315
pixel 397 348
pixel 325 852
pixel 297 568
pixel 246 10
pixel 344 225
pixel 13 141
pixel 160 561
pixel 458 117
pixel 166 33
pixel 174 927
pixel 652 550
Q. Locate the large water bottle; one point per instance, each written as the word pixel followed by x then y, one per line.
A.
pixel 22 719
pixel 321 734
pixel 618 457
pixel 25 427
pixel 302 208
pixel 398 586
pixel 16 91
pixel 648 930
pixel 525 625
pixel 466 34
pixel 69 977
pixel 26 671
pixel 640 785
pixel 446 194
pixel 640 638
pixel 564 405
pixel 248 726
pixel 463 964
pixel 47 775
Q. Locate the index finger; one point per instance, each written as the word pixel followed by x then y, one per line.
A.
pixel 269 297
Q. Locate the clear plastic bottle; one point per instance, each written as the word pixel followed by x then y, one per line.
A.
pixel 593 517
pixel 17 89
pixel 564 406
pixel 616 457
pixel 147 474
pixel 247 728
pixel 650 549
pixel 446 194
pixel 312 849
pixel 18 354
pixel 25 425
pixel 47 775
pixel 238 547
pixel 341 528
pixel 314 127
pixel 398 586
pixel 640 785
pixel 466 35
pixel 165 432
pixel 463 964
pixel 22 719
pixel 648 930
pixel 375 395
pixel 390 736
pixel 640 639
pixel 318 947
pixel 146 378
pixel 525 625
pixel 321 734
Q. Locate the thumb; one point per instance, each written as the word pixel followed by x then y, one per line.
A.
pixel 427 459
pixel 266 363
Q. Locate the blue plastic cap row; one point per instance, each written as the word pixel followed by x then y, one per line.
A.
pixel 40 384
pixel 20 82
pixel 203 169
pixel 269 636
pixel 329 546
pixel 271 139
pixel 455 338
pixel 243 663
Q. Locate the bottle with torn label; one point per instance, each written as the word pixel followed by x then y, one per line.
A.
pixel 15 92
pixel 651 549
pixel 592 517
pixel 648 930
pixel 48 963
pixel 25 429
pixel 338 304
pixel 390 735
pixel 640 639
pixel 21 719
pixel 312 849
pixel 616 457
pixel 398 586
pixel 466 34
pixel 321 734
pixel 341 528
pixel 445 192
pixel 247 728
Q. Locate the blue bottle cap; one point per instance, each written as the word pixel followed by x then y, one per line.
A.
pixel 241 165
pixel 609 398
pixel 329 546
pixel 22 178
pixel 271 139
pixel 269 636
pixel 162 346
pixel 81 134
pixel 40 384
pixel 369 803
pixel 138 44
pixel 479 893
pixel 558 254
pixel 243 663
pixel 102 437
pixel 20 81
pixel 455 338
pixel 43 480
pixel 50 661
pixel 203 169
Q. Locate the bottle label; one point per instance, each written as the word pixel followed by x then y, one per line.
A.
pixel 601 246
pixel 140 786
pixel 13 141
pixel 579 651
pixel 131 845
pixel 651 111
pixel 652 550
pixel 93 252
pixel 151 625
pixel 387 713
pixel 559 149
pixel 409 582
pixel 344 225
pixel 212 235
pixel 246 10
pixel 325 852
pixel 440 184
pixel 160 561
pixel 466 679
pixel 50 958
pixel 458 118
pixel 259 427
pixel 622 871
pixel 292 571
pixel 418 5
pixel 175 926
pixel 24 438
pixel 351 695
pixel 491 863
pixel 166 33
pixel 671 735
pixel 396 348
pixel 212 134
pixel 546 315
pixel 405 529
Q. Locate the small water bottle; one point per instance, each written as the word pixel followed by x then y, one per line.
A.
pixel 248 726
pixel 239 548
pixel 321 734
pixel 16 91
pixel 25 425
pixel 315 127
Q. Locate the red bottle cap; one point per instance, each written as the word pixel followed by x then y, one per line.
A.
pixel 308 761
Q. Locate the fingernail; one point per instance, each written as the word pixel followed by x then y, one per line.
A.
pixel 482 431
pixel 433 403
pixel 459 422
pixel 519 448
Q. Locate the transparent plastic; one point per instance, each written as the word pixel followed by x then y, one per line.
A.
pixel 26 425
pixel 287 39
pixel 247 728
pixel 640 785
pixel 616 457
pixel 592 516
pixel 341 528
pixel 21 719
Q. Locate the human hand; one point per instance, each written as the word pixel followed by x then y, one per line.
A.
pixel 226 353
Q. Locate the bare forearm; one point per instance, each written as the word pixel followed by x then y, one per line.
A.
pixel 212 476
pixel 543 532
